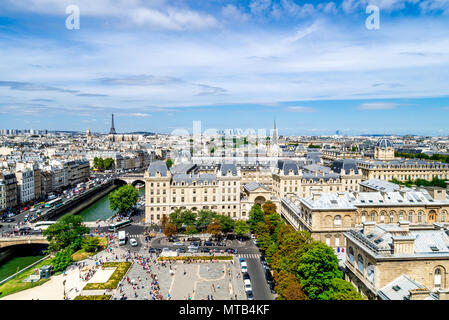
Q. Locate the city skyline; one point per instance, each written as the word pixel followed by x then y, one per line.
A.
pixel 160 65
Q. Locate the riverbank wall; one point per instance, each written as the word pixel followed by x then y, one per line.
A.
pixel 75 205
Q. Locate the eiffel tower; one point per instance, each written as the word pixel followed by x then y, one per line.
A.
pixel 112 131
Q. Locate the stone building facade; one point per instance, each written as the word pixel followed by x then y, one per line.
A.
pixel 327 215
pixel 166 191
pixel 378 254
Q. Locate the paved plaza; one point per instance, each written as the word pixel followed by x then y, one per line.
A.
pixel 147 278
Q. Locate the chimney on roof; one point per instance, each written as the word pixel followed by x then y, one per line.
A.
pixel 368 226
pixel 403 244
pixel 405 225
pixel 419 293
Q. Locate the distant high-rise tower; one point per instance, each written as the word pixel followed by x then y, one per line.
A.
pixel 112 131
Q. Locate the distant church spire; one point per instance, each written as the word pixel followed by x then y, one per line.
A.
pixel 275 134
pixel 112 131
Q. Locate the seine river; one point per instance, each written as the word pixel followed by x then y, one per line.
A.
pixel 98 210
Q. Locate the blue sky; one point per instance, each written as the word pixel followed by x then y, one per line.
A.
pixel 159 65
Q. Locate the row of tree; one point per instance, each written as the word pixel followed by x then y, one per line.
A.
pixel 303 268
pixel 205 220
pixel 435 182
pixel 436 157
pixel 103 164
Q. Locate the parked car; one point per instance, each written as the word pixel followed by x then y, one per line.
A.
pixel 246 276
pixel 272 285
pixel 208 243
pixel 204 249
pixel 268 276
pixel 221 244
pixel 247 284
pixel 178 244
pixel 230 250
pixel 9 220
pixel 244 267
pixel 195 243
pixel 133 242
pixel 255 241
pixel 181 250
pixel 249 295
pixel 242 260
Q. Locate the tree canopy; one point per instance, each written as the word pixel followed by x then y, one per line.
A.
pixel 256 215
pixel 269 207
pixel 66 232
pixel 241 228
pixel 316 268
pixel 123 199
pixel 170 230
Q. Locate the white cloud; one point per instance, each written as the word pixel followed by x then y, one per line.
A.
pixel 156 14
pixel 435 5
pixel 378 106
pixel 300 109
pixel 232 13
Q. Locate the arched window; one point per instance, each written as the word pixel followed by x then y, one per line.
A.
pixel 360 263
pixel 391 217
pixel 337 221
pixel 382 217
pixel 437 278
pixel 401 215
pixel 373 216
pixel 420 216
pixel 370 272
pixel 363 216
pixel 410 216
pixel 351 254
pixel 443 215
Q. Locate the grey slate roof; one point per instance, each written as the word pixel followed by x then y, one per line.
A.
pixel 381 185
pixel 384 143
pixel 198 178
pixel 346 164
pixel 182 168
pixel 287 165
pixel 402 285
pixel 225 167
pixel 158 166
pixel 253 186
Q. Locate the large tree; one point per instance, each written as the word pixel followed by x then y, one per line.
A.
pixel 317 267
pixel 204 218
pixel 123 199
pixel 269 207
pixel 66 232
pixel 191 230
pixel 215 228
pixel 108 163
pixel 227 223
pixel 188 218
pixel 164 220
pixel 294 292
pixel 170 230
pixel 175 217
pixel 340 289
pixel 241 228
pixel 255 216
